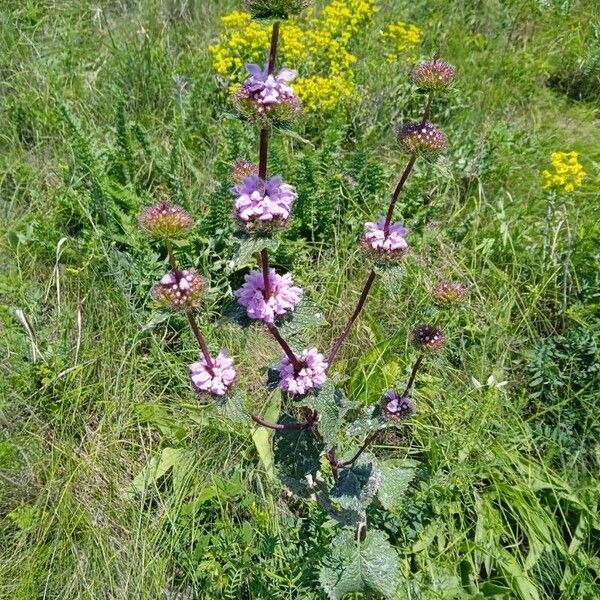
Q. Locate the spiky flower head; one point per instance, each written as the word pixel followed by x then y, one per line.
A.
pixel 449 292
pixel 310 376
pixel 164 220
pixel 283 295
pixel 397 407
pixel 434 75
pixel 385 243
pixel 266 97
pixel 259 206
pixel 275 9
pixel 242 169
pixel 424 139
pixel 428 338
pixel 180 290
pixel 215 380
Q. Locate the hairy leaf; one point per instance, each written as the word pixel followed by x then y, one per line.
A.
pixel 332 405
pixel 233 407
pixel 393 486
pixel 370 566
pixel 356 485
pixel 250 246
pixel 305 316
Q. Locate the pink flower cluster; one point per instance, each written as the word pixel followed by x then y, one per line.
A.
pixel 390 243
pixel 283 295
pixel 259 204
pixel 165 220
pixel 434 75
pixel 268 95
pixel 180 290
pixel 421 138
pixel 312 374
pixel 216 380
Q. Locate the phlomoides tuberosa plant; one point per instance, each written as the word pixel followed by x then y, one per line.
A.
pixel 315 413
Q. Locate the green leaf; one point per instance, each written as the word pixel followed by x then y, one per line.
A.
pixel 157 416
pixel 305 316
pixel 393 486
pixel 157 467
pixel 332 405
pixel 370 420
pixel 368 566
pixel 356 485
pixel 298 457
pixel 250 245
pixel 233 407
pixel 262 435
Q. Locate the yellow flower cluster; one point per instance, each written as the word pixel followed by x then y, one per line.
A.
pixel 316 46
pixel 567 172
pixel 401 40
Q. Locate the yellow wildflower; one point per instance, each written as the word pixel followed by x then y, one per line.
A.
pixel 567 172
pixel 401 40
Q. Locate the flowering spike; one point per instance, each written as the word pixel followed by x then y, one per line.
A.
pixel 447 292
pixel 165 220
pixel 310 376
pixel 428 338
pixel 385 245
pixel 421 138
pixel 216 380
pixel 275 9
pixel 435 75
pixel 283 297
pixel 567 172
pixel 397 407
pixel 263 206
pixel 242 169
pixel 180 290
pixel 268 97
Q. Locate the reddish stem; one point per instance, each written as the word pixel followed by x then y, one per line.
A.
pixel 350 322
pixel 273 51
pixel 201 341
pixel 403 180
pixel 413 374
pixel 365 445
pixel 285 346
pixel 264 261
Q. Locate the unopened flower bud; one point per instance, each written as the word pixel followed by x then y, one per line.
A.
pixel 447 292
pixel 275 9
pixel 165 220
pixel 180 290
pixel 421 138
pixel 267 98
pixel 215 380
pixel 434 75
pixel 261 206
pixel 242 169
pixel 397 407
pixel 311 375
pixel 428 338
pixel 385 244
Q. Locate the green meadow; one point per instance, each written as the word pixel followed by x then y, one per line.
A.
pixel 116 482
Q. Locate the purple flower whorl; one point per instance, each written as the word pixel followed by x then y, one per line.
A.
pixel 165 220
pixel 262 206
pixel 266 98
pixel 180 290
pixel 397 407
pixel 424 139
pixel 215 381
pixel 428 338
pixel 283 297
pixel 242 169
pixel 385 245
pixel 434 75
pixel 312 374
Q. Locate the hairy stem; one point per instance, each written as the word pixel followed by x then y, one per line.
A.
pixel 200 339
pixel 413 374
pixel 361 302
pixel 403 179
pixel 370 439
pixel 171 255
pixel 264 261
pixel 282 426
pixel 285 346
